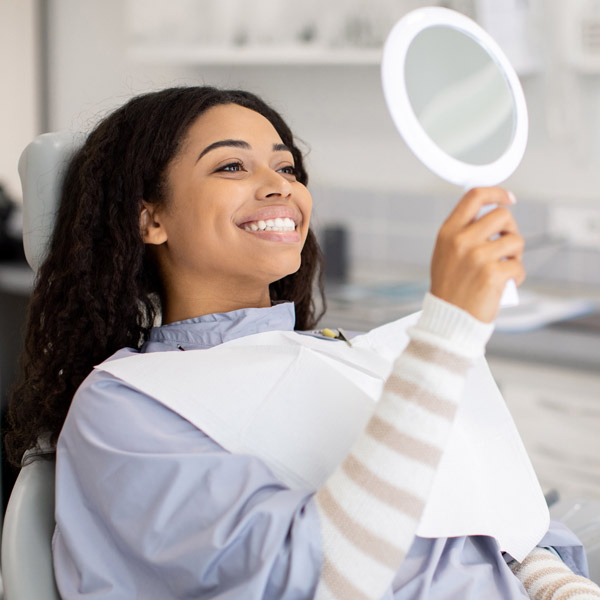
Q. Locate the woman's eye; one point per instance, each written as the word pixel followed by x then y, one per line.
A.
pixel 289 170
pixel 233 167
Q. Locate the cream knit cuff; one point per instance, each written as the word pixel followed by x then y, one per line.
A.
pixel 452 328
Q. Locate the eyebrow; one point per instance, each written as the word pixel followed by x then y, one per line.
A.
pixel 238 144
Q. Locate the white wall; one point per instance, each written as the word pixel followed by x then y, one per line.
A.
pixel 339 111
pixel 19 86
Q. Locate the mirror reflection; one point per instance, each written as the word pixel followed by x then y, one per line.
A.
pixel 459 95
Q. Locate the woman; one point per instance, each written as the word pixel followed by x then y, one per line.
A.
pixel 191 204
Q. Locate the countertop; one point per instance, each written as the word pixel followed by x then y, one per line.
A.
pixel 16 278
pixel 376 296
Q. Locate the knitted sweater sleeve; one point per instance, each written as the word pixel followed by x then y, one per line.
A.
pixel 370 507
pixel 545 577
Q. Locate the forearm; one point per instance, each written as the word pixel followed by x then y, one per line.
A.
pixel 371 506
pixel 545 577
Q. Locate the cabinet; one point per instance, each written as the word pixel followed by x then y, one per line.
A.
pixel 557 412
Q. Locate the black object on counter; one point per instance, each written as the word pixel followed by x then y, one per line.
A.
pixel 11 246
pixel 335 249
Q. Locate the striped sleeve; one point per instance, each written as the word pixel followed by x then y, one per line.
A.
pixel 545 577
pixel 370 507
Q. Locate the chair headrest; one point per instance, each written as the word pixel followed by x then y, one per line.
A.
pixel 42 169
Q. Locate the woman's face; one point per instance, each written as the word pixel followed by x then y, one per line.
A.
pixel 235 217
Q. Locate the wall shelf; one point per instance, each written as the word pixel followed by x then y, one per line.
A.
pixel 189 55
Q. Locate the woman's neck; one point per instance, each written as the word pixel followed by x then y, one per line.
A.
pixel 181 306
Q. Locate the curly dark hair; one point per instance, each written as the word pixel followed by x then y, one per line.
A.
pixel 98 289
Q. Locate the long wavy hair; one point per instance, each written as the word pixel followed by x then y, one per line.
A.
pixel 98 289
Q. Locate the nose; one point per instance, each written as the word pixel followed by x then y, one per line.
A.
pixel 273 185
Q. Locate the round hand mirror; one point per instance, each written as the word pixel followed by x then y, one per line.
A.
pixel 455 99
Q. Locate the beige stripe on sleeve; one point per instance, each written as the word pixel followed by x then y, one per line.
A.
pixel 403 501
pixel 372 545
pixel 432 354
pixel 339 585
pixel 389 436
pixel 413 392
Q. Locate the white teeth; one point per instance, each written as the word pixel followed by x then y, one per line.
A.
pixel 277 224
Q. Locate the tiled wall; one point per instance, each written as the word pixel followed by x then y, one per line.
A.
pixel 396 228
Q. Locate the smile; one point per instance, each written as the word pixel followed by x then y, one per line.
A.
pixel 278 224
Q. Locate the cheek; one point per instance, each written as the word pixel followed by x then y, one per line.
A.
pixel 208 211
pixel 305 204
pixel 219 201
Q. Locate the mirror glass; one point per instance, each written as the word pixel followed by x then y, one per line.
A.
pixel 459 95
pixel 454 97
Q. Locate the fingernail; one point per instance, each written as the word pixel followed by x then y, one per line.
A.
pixel 511 197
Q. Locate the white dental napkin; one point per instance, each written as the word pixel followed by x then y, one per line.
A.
pixel 299 403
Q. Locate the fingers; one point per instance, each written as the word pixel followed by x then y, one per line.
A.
pixel 497 222
pixel 464 227
pixel 509 245
pixel 498 274
pixel 472 203
pixel 515 270
pixel 508 250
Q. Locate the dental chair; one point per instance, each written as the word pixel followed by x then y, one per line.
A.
pixel 27 572
pixel 27 535
pixel 29 519
pixel 42 168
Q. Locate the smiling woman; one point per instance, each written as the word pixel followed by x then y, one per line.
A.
pixel 189 207
pixel 101 287
pixel 233 171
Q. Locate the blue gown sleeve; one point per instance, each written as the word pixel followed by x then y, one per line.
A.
pixel 147 506
pixel 567 546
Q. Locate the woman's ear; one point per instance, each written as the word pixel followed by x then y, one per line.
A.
pixel 150 225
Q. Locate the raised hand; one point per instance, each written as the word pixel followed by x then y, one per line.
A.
pixel 474 258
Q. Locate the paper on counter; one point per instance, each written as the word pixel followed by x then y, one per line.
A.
pixel 536 311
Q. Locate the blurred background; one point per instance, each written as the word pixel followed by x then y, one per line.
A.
pixel 66 63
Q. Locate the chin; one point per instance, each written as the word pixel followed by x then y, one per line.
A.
pixel 283 273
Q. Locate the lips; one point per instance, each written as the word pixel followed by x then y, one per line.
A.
pixel 277 217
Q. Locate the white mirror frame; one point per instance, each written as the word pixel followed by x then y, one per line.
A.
pixel 396 96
